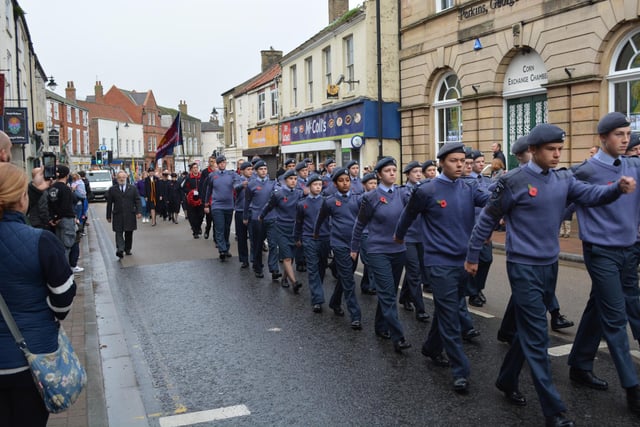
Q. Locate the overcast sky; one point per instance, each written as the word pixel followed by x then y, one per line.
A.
pixel 191 50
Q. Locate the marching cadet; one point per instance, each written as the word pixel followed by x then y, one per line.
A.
pixel 378 212
pixel 429 169
pixel 256 197
pixel 342 207
pixel 211 167
pixel 219 201
pixel 367 285
pixel 354 173
pixel 328 187
pixel 246 172
pixel 316 251
pixel 532 199
pixel 411 293
pixel 284 201
pixel 447 207
pixel 302 170
pixel 608 235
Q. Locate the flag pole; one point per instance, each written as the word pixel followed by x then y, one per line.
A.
pixel 184 157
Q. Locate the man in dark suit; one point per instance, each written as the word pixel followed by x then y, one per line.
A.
pixel 123 210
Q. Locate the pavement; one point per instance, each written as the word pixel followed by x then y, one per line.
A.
pixel 94 407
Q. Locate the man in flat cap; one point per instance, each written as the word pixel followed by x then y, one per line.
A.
pixel 446 205
pixel 608 235
pixel 532 199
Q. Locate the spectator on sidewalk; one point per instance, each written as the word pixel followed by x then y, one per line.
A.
pixel 38 213
pixel 62 217
pixel 5 148
pixel 38 288
pixel 496 147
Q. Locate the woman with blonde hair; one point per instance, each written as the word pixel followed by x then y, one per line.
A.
pixel 38 288
pixel 497 169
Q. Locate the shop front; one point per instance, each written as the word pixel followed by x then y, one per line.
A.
pixel 263 142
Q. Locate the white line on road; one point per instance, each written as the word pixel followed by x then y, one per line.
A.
pixel 563 350
pixel 471 310
pixel 204 416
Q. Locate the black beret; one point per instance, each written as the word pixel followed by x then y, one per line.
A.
pixel 339 172
pixel 300 166
pixel 245 165
pixel 328 162
pixel 221 159
pixel 260 163
pixel 308 160
pixel 468 153
pixel 385 161
pixel 254 159
pixel 368 177
pixel 544 133
pixel 174 175
pixel 289 173
pixel 476 154
pixel 313 178
pixel 520 146
pixel 351 163
pixel 612 121
pixel 635 140
pixel 289 161
pixel 411 165
pixel 450 147
pixel 428 164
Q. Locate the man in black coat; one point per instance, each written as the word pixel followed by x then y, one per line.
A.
pixel 123 210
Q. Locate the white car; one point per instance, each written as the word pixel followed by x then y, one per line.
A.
pixel 100 181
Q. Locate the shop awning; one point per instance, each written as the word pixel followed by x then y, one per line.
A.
pixel 261 151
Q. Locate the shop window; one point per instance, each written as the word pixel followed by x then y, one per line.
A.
pixel 448 111
pixel 625 80
pixel 294 86
pixel 261 106
pixel 349 62
pixel 308 65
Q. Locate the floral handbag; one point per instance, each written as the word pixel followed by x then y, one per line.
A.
pixel 59 376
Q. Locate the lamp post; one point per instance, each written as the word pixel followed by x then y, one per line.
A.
pixel 117 151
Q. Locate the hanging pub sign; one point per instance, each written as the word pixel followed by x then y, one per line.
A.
pixel 16 125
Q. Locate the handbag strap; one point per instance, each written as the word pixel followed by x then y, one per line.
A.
pixel 11 323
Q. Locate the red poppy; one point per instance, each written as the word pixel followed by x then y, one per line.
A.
pixel 533 191
pixel 442 203
pixel 258 188
pixel 284 199
pixel 383 200
pixel 338 203
pixel 305 206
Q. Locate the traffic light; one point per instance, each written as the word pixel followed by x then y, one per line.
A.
pixel 98 157
pixel 110 157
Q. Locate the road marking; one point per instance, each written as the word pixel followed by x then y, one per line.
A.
pixel 471 310
pixel 204 416
pixel 563 350
pixel 274 329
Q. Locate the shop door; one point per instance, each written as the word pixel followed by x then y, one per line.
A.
pixel 522 115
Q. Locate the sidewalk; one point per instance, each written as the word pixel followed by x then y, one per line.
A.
pixel 80 325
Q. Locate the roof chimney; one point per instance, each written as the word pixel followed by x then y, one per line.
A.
pixel 98 92
pixel 337 8
pixel 183 107
pixel 270 57
pixel 70 92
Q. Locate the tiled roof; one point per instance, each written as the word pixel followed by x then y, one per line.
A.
pixel 263 78
pixel 103 111
pixel 211 127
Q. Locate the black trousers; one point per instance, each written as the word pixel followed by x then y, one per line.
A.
pixel 196 213
pixel 124 241
pixel 20 402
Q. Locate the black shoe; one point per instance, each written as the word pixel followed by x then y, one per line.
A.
pixel 276 276
pixel 504 337
pixel 461 385
pixel 119 254
pixel 284 283
pixel 470 334
pixel 438 359
pixel 482 297
pixel 244 265
pixel 222 256
pixel 338 311
pixel 558 420
pixel 196 236
pixel 560 322
pixel 633 399
pixel 317 308
pixel 385 335
pixel 127 252
pixel 513 396
pixel 475 301
pixel 408 306
pixel 588 379
pixel 259 274
pixel 422 317
pixel 398 346
pixel 368 292
pixel 427 288
pixel 206 235
pixel 356 325
pixel 296 287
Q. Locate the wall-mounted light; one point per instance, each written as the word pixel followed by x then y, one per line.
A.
pixel 475 88
pixel 569 71
pixel 477 45
pixel 51 84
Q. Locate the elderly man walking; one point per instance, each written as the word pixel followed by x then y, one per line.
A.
pixel 123 208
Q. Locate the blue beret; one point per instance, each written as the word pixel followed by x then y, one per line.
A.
pixel 476 154
pixel 612 121
pixel 308 160
pixel 520 146
pixel 289 161
pixel 313 178
pixel 411 165
pixel 245 165
pixel 339 172
pixel 544 133
pixel 300 166
pixel 368 177
pixel 221 159
pixel 451 147
pixel 635 140
pixel 385 161
pixel 254 159
pixel 289 173
pixel 351 163
pixel 428 164
pixel 328 162
pixel 260 163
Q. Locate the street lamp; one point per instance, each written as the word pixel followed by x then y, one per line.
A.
pixel 51 84
pixel 117 153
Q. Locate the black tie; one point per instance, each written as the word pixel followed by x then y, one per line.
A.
pixel 545 173
pixel 616 162
pixel 122 188
pixel 390 191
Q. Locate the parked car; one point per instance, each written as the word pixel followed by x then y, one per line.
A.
pixel 100 181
